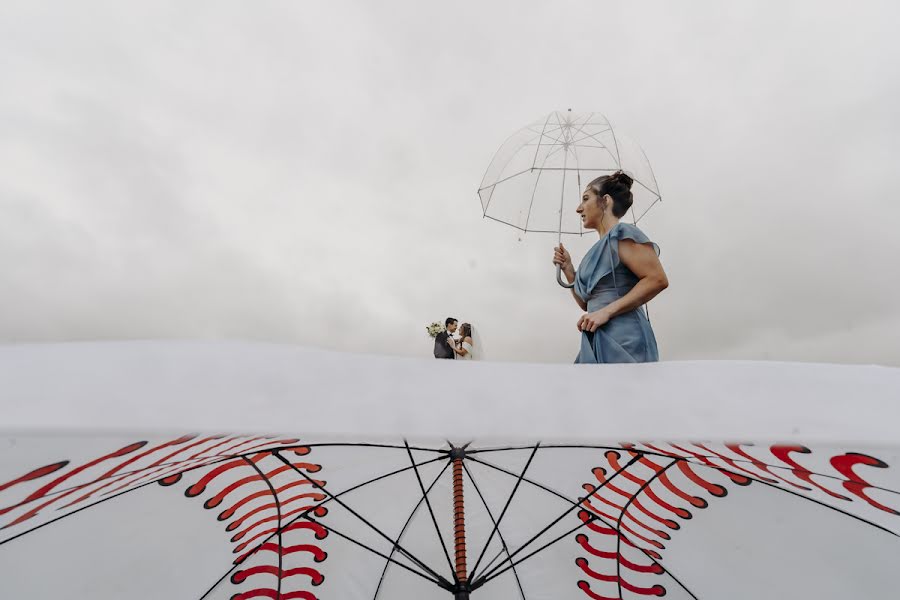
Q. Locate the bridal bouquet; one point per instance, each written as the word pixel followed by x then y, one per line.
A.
pixel 434 329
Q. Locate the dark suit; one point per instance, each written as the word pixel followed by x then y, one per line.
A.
pixel 442 347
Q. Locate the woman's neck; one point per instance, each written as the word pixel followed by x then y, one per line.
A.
pixel 608 223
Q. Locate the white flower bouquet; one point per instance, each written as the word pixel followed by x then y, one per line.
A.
pixel 434 329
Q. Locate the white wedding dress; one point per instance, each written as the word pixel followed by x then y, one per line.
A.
pixel 470 352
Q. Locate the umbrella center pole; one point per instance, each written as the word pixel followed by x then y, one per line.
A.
pixel 459 525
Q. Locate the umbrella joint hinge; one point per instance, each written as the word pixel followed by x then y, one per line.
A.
pixel 461 590
pixel 457 453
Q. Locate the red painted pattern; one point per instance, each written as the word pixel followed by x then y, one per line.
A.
pixel 644 480
pixel 260 515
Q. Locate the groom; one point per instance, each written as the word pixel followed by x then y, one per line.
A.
pixel 442 348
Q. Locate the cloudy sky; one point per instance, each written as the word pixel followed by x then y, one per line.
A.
pixel 305 172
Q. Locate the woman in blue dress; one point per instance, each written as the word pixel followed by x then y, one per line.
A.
pixel 615 279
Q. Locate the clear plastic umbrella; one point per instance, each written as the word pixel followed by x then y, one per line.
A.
pixel 535 179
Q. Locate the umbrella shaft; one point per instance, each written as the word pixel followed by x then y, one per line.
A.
pixel 459 524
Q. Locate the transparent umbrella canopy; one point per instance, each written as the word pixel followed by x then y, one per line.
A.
pixel 535 180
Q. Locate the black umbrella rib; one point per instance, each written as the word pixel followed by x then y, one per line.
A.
pixel 694 460
pixel 357 515
pixel 499 533
pixel 405 525
pixel 298 517
pixel 431 512
pixel 593 517
pixel 439 582
pixel 359 445
pixel 77 510
pixel 503 512
pixel 819 502
pixel 562 516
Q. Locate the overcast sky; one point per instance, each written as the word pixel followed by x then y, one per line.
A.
pixel 306 172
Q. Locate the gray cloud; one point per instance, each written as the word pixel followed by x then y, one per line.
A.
pixel 306 173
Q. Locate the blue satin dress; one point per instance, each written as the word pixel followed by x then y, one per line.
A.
pixel 600 280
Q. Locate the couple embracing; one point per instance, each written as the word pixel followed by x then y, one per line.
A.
pixel 462 347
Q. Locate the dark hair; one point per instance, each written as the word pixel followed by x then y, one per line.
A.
pixel 449 320
pixel 465 330
pixel 618 187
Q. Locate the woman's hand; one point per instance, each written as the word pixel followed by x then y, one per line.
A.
pixel 562 258
pixel 593 321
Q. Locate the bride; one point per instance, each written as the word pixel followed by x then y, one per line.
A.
pixel 467 348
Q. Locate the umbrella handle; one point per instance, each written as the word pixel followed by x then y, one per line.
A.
pixel 559 278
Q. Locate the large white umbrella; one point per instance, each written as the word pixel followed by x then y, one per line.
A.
pixel 122 475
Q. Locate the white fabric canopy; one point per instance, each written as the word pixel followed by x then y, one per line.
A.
pixel 266 387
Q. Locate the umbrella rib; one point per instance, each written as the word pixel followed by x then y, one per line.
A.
pixel 688 459
pixel 431 512
pixel 522 229
pixel 593 517
pixel 496 183
pixel 597 169
pixel 503 512
pixel 298 517
pixel 615 156
pixel 593 136
pixel 358 445
pixel 217 460
pixel 356 514
pixel 439 582
pixel 499 533
pixel 538 149
pixel 804 497
pixel 560 517
pixel 622 516
pixel 196 463
pixel 405 525
pixel 77 510
pixel 538 178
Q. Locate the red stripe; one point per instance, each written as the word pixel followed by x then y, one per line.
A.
pixel 238 536
pixel 585 544
pixel 736 448
pixel 734 477
pixel 712 488
pixel 667 483
pixel 315 576
pixel 320 533
pixel 36 474
pixel 227 513
pixel 734 464
pixel 857 486
pixel 782 453
pixel 238 522
pixel 655 590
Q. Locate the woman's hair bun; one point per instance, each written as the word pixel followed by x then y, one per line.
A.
pixel 622 178
pixel 618 187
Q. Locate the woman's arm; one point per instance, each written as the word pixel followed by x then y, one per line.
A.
pixel 561 257
pixel 641 260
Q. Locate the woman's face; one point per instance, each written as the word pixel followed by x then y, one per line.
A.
pixel 590 210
